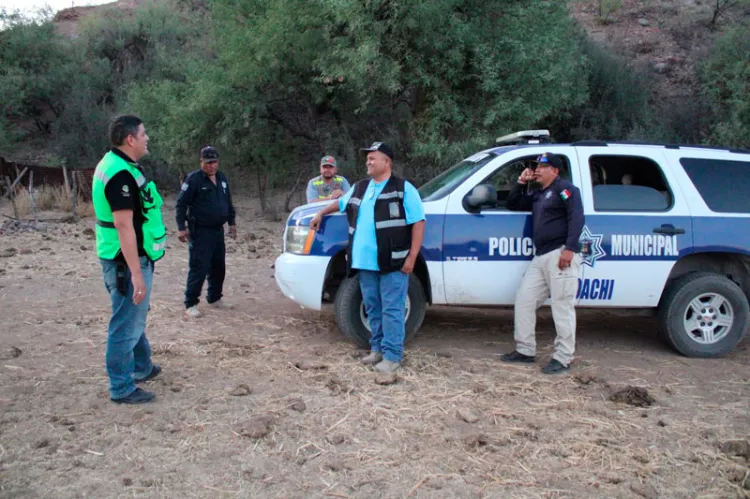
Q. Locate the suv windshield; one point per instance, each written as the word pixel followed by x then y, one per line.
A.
pixel 446 182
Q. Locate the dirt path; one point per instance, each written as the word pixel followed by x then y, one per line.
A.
pixel 270 401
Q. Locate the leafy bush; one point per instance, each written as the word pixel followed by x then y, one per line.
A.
pixel 35 74
pixel 725 82
pixel 618 105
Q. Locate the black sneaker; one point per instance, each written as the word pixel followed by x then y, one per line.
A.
pixel 137 397
pixel 555 367
pixel 155 370
pixel 515 356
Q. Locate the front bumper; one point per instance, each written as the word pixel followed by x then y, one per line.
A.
pixel 301 278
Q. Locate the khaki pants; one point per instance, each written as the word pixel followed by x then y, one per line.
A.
pixel 543 280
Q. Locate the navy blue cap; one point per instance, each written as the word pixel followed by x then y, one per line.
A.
pixel 382 147
pixel 550 159
pixel 209 154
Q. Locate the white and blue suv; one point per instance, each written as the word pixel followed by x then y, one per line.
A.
pixel 667 229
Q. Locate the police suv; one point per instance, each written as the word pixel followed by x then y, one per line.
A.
pixel 667 229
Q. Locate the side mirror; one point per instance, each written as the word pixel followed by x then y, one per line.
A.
pixel 481 195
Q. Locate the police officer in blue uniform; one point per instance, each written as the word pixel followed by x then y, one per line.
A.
pixel 558 219
pixel 203 207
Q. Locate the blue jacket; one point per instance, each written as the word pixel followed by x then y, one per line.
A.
pixel 557 214
pixel 204 203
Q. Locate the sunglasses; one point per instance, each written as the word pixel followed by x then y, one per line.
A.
pixel 542 159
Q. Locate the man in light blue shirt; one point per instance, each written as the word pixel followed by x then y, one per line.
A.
pixel 386 230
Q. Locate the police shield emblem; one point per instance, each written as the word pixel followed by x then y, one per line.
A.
pixel 591 247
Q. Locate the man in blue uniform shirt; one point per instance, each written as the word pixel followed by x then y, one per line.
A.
pixel 557 216
pixel 203 207
pixel 386 228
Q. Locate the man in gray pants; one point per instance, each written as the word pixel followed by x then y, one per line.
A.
pixel 557 214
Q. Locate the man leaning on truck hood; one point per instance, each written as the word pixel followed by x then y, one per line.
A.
pixel 386 229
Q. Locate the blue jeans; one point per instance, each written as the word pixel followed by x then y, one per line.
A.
pixel 128 352
pixel 384 296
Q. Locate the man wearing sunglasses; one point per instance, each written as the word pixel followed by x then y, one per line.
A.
pixel 557 215
pixel 327 185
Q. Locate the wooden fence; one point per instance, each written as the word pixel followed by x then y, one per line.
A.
pixel 45 175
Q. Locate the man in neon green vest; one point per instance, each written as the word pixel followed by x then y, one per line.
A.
pixel 130 237
pixel 328 185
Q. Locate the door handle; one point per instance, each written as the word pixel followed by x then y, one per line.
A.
pixel 669 230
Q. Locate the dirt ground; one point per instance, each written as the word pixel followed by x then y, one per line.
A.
pixel 269 400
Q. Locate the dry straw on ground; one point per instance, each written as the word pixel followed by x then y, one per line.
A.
pixel 51 198
pixel 268 400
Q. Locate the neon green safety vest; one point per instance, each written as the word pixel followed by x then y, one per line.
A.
pixel 154 231
pixel 324 189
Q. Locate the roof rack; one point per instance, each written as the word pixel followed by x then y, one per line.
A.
pixel 524 137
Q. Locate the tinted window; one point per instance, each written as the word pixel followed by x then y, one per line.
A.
pixel 628 183
pixel 724 185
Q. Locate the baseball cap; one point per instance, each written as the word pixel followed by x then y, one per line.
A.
pixel 550 159
pixel 328 160
pixel 382 147
pixel 209 154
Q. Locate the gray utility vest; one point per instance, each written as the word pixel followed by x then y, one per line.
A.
pixel 324 189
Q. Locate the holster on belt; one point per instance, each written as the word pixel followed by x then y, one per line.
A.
pixel 122 278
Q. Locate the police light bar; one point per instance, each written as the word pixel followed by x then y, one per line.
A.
pixel 524 136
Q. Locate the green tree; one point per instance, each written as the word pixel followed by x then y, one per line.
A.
pixel 618 105
pixel 117 50
pixel 295 79
pixel 35 73
pixel 725 82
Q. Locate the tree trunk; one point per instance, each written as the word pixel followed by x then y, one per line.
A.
pixel 292 191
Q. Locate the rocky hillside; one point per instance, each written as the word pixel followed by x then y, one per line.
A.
pixel 664 38
pixel 67 19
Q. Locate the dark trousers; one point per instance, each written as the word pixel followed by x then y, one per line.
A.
pixel 207 254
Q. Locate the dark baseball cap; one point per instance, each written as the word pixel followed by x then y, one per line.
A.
pixel 328 160
pixel 382 147
pixel 550 159
pixel 209 154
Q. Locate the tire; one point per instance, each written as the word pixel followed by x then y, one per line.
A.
pixel 703 314
pixel 348 310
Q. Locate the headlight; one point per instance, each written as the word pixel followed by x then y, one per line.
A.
pixel 299 239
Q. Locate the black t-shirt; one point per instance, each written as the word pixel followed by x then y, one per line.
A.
pixel 122 193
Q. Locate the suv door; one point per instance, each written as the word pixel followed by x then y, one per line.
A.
pixel 485 254
pixel 637 222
